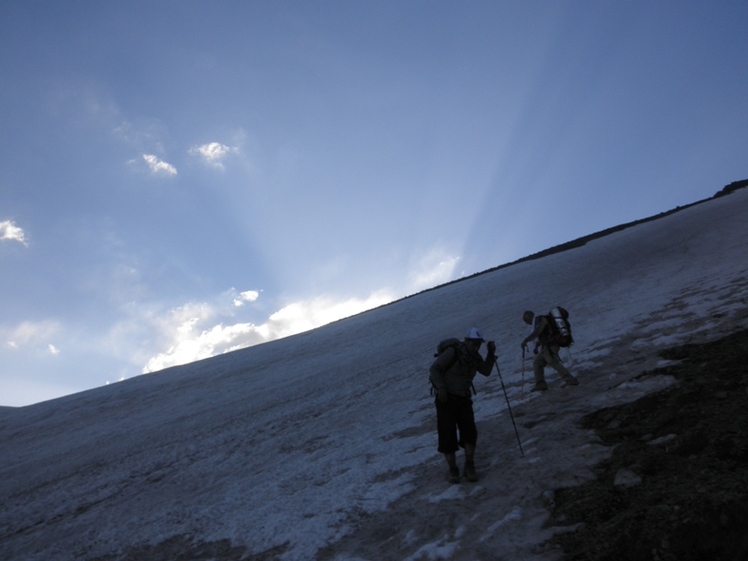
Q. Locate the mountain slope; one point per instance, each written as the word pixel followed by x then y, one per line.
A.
pixel 322 445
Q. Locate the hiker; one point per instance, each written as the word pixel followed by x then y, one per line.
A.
pixel 548 354
pixel 452 375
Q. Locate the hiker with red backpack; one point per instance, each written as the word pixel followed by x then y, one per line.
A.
pixel 452 375
pixel 550 333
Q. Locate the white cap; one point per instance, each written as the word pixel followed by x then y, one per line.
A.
pixel 474 333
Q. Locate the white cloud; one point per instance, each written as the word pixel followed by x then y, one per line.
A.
pixel 158 166
pixel 434 268
pixel 305 315
pixel 191 344
pixel 212 153
pixel 9 231
pixel 193 333
pixel 31 334
pixel 143 137
pixel 197 331
pixel 247 296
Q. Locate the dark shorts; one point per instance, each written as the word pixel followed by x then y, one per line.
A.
pixel 456 414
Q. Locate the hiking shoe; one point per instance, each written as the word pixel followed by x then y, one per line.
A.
pixel 539 387
pixel 454 474
pixel 469 471
pixel 571 381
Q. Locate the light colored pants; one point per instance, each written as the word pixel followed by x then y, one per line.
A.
pixel 548 356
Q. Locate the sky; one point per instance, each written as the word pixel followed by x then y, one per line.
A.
pixel 179 179
pixel 320 447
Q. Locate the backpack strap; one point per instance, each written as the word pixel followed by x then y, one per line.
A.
pixel 455 356
pixel 545 335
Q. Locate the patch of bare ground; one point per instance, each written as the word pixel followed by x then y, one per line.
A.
pixel 676 486
pixel 183 548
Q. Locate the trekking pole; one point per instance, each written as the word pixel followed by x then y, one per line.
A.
pixel 523 374
pixel 496 362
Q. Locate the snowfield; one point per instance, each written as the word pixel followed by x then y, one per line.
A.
pixel 323 445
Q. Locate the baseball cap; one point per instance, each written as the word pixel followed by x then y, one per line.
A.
pixel 474 333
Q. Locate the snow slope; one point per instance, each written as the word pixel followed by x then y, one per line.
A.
pixel 323 445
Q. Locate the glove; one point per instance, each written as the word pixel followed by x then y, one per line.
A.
pixel 441 394
pixel 491 346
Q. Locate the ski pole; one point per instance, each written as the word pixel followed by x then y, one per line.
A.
pixel 496 362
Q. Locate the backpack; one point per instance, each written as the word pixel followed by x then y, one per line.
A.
pixel 445 344
pixel 558 319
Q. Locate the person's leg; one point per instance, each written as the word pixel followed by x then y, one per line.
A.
pixel 469 469
pixel 468 437
pixel 454 471
pixel 554 361
pixel 538 366
pixel 446 427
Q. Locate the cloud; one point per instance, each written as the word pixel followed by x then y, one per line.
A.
pixel 144 136
pixel 159 167
pixel 192 344
pixel 9 231
pixel 434 268
pixel 212 153
pixel 201 330
pixel 194 332
pixel 244 297
pixel 309 314
pixel 32 334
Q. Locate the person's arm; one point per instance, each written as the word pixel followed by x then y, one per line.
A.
pixel 539 326
pixel 487 365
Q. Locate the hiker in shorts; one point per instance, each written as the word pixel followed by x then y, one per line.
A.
pixel 452 375
pixel 547 355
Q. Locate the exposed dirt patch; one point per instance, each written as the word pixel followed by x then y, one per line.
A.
pixel 183 548
pixel 676 486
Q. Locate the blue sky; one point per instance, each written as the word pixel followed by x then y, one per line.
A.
pixel 178 179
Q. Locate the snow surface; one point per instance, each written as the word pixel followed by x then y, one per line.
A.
pixel 323 445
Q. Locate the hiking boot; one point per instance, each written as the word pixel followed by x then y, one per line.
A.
pixel 539 387
pixel 469 471
pixel 454 474
pixel 571 381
